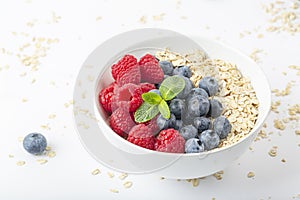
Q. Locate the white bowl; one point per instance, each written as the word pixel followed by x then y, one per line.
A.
pixel 115 152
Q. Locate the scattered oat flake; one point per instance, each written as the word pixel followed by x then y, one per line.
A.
pixel 159 17
pixel 51 154
pixel 51 116
pixel 96 171
pixel 24 100
pixel 110 174
pixel 48 148
pixel 98 18
pixel 114 190
pixel 250 175
pixel 143 19
pixel 20 163
pixel 279 124
pixel 46 127
pixel 283 160
pixel 218 175
pixel 20 138
pixel 283 92
pixel 42 161
pixel 123 176
pixel 273 151
pixel 127 184
pixel 195 182
pixel 11 156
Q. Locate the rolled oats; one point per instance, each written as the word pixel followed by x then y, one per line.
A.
pixel 250 175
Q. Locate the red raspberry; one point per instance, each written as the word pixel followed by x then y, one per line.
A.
pixel 147 58
pixel 129 94
pixel 126 70
pixel 150 70
pixel 146 87
pixel 169 140
pixel 142 136
pixel 105 97
pixel 131 75
pixel 121 122
pixel 152 125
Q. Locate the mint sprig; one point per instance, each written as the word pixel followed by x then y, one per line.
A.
pixel 154 103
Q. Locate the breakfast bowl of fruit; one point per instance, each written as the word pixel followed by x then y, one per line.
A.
pixel 155 101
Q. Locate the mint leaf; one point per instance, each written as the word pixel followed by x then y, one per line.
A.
pixel 151 98
pixel 164 109
pixel 171 86
pixel 145 112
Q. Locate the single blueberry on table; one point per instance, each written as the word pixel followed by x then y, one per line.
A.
pixel 35 143
pixel 177 107
pixel 222 126
pixel 183 71
pixel 209 139
pixel 193 145
pixel 188 132
pixel 209 84
pixel 215 108
pixel 167 67
pixel 201 123
pixel 187 88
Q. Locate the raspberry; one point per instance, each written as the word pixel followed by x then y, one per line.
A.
pixel 147 58
pixel 105 97
pixel 126 70
pixel 150 70
pixel 120 121
pixel 146 87
pixel 169 140
pixel 152 125
pixel 141 135
pixel 131 75
pixel 130 95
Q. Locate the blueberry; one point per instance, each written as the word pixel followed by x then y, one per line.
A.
pixel 162 122
pixel 188 132
pixel 155 91
pixel 177 107
pixel 187 88
pixel 193 145
pixel 183 71
pixel 196 92
pixel 215 108
pixel 209 139
pixel 209 84
pixel 201 123
pixel 222 126
pixel 175 123
pixel 35 143
pixel 167 67
pixel 197 106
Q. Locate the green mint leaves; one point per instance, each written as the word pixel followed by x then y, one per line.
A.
pixel 171 86
pixel 154 103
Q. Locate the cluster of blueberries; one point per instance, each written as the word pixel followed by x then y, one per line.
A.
pixel 194 111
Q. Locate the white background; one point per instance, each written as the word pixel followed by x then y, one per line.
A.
pixel 28 97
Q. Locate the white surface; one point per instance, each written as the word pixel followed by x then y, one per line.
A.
pixel 68 175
